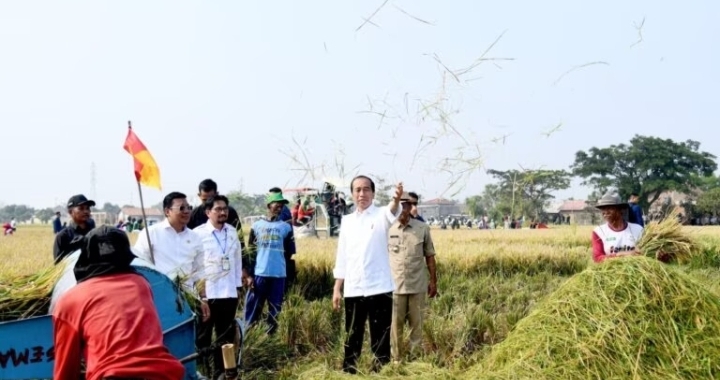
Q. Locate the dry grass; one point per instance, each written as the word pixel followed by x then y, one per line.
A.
pixel 488 282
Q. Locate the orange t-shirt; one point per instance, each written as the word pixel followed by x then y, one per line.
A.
pixel 111 321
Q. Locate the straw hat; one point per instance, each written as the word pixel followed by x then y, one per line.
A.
pixel 610 200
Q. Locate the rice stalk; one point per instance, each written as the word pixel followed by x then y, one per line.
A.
pixel 667 241
pixel 26 296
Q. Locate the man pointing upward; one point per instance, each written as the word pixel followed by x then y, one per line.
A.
pixel 362 273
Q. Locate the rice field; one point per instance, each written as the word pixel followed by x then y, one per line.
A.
pixel 487 282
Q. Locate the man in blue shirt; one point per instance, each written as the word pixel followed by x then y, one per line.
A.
pixel 57 224
pixel 286 216
pixel 635 214
pixel 264 268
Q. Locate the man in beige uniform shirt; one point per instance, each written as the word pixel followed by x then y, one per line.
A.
pixel 411 252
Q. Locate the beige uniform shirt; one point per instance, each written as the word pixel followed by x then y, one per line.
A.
pixel 408 246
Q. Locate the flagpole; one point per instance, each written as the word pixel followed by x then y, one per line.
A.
pixel 142 210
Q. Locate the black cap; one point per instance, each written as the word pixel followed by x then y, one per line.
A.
pixel 78 200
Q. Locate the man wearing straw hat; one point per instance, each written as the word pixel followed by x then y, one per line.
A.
pixel 109 317
pixel 616 237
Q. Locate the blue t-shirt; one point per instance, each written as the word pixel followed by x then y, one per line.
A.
pixel 274 240
pixel 635 215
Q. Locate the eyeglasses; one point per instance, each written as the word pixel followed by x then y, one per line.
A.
pixel 220 209
pixel 183 208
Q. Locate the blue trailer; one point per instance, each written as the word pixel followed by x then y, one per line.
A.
pixel 26 346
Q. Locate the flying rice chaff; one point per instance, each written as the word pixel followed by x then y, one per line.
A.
pixel 629 318
pixel 667 241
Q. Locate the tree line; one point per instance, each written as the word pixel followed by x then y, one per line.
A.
pixel 646 165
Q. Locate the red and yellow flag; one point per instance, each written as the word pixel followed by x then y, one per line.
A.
pixel 146 169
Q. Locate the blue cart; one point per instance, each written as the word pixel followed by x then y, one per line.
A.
pixel 26 346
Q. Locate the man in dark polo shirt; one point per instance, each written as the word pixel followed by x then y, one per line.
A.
pixel 69 239
pixel 198 217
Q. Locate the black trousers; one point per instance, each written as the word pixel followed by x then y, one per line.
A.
pixel 222 321
pixel 376 309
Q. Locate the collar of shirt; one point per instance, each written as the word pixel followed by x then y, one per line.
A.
pixel 368 211
pixel 77 228
pixel 165 224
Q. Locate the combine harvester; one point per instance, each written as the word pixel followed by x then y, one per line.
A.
pixel 26 345
pixel 320 226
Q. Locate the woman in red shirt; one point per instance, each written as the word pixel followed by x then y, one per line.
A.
pixel 109 317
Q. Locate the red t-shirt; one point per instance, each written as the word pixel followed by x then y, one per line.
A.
pixel 302 213
pixel 111 321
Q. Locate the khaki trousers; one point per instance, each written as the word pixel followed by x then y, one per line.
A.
pixel 406 308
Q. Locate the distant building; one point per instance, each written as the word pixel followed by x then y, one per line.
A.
pixel 153 215
pixel 668 201
pixel 104 218
pixel 439 207
pixel 572 212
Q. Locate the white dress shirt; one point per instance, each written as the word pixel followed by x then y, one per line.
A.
pixel 219 244
pixel 175 253
pixel 362 258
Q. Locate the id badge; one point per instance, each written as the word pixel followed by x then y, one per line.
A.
pixel 225 264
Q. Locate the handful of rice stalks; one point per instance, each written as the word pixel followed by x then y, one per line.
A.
pixel 28 296
pixel 667 241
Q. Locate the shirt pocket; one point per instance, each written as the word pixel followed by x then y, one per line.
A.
pixel 414 246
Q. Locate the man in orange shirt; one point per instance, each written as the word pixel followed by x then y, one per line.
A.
pixel 109 317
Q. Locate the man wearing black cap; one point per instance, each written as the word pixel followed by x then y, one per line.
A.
pixel 109 317
pixel 69 239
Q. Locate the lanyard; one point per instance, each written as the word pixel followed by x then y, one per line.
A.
pixel 222 247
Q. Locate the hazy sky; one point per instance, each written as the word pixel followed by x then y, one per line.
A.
pixel 219 88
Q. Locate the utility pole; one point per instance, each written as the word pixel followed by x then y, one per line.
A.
pixel 93 181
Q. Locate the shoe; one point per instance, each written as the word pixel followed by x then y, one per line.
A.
pixel 350 370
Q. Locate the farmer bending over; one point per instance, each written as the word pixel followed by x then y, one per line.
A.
pixel 269 243
pixel 109 317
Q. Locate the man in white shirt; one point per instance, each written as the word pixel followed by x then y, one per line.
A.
pixel 176 250
pixel 223 278
pixel 362 273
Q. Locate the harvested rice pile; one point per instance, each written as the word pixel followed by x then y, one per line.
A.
pixel 28 296
pixel 667 241
pixel 629 318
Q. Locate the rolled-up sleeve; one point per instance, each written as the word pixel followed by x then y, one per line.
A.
pixel 341 257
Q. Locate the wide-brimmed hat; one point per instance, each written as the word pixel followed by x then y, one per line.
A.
pixel 275 197
pixel 610 200
pixel 105 250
